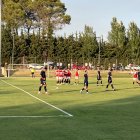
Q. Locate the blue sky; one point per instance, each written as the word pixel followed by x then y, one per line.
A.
pixel 98 14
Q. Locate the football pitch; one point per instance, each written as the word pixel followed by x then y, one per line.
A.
pixel 65 114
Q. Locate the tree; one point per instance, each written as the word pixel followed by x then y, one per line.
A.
pixel 6 45
pixel 51 16
pixel 117 37
pixel 12 14
pixel 89 43
pixel 46 15
pixel 133 35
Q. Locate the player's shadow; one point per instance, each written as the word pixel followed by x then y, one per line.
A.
pixel 118 89
pixel 71 91
pixel 93 83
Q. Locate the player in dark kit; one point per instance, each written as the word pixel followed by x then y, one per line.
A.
pixel 43 80
pixel 99 78
pixel 110 80
pixel 85 82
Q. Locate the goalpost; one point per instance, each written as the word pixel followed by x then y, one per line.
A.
pixel 19 69
pixel 24 70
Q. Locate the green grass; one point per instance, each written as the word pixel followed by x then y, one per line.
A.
pixel 100 115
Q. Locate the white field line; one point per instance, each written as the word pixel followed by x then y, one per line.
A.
pixel 34 116
pixel 70 115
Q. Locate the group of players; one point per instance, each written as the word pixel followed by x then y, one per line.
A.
pixel 64 76
pixel 136 76
pixel 99 79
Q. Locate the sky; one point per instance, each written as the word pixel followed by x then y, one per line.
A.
pixel 98 14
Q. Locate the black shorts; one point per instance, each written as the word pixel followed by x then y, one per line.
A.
pixel 99 78
pixel 109 80
pixel 42 81
pixel 86 83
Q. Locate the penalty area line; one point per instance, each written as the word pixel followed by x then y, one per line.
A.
pixel 34 116
pixel 70 115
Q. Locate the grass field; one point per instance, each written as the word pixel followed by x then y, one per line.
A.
pixel 66 114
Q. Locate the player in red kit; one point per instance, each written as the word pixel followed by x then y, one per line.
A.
pixel 61 76
pixel 68 76
pixel 77 77
pixel 135 76
pixel 57 76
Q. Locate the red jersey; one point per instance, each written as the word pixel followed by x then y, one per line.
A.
pixel 61 73
pixel 76 73
pixel 65 73
pixel 57 73
pixel 135 75
pixel 69 73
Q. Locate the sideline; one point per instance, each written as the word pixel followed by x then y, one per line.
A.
pixel 70 115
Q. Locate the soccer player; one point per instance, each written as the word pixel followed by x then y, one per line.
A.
pixel 57 76
pixel 85 82
pixel 43 80
pixel 33 72
pixel 77 77
pixel 69 76
pixel 135 76
pixel 99 78
pixel 138 78
pixel 65 80
pixel 110 80
pixel 61 76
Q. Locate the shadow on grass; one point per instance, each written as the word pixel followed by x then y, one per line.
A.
pixel 116 119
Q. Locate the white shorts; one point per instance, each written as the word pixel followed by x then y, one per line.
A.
pixel 68 78
pixel 76 77
pixel 59 78
pixel 135 79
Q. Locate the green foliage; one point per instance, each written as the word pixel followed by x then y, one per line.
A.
pixel 134 39
pixel 44 16
pixel 6 45
pixel 89 43
pixel 12 14
pixel 39 19
pixel 125 45
pixel 117 37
